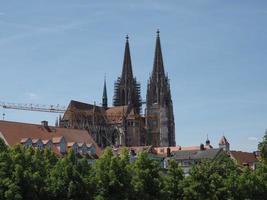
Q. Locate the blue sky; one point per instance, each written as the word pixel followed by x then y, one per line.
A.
pixel 52 51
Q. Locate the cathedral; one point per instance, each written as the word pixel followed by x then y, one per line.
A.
pixel 124 124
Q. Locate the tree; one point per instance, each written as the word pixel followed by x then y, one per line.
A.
pixel 146 179
pixel 172 181
pixel 66 181
pixel 208 179
pixel 112 176
pixel 3 146
pixel 250 186
pixel 263 147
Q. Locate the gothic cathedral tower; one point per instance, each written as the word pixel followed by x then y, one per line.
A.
pixel 127 90
pixel 159 110
pixel 105 96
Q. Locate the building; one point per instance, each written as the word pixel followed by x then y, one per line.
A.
pixel 127 89
pixel 224 144
pixel 41 136
pixel 188 158
pixel 242 159
pixel 116 126
pixel 159 108
pixel 123 124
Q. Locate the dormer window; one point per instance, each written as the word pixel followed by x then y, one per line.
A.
pixel 75 148
pixel 39 146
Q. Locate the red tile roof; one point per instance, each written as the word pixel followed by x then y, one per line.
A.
pixel 196 147
pixel 56 140
pixel 70 144
pixel 13 132
pixel 35 140
pixel 23 140
pixel 243 158
pixel 115 114
pixel 45 141
pixel 163 150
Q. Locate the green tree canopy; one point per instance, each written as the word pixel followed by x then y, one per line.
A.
pixel 263 147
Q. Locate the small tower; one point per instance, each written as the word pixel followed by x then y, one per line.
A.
pixel 207 141
pixel 224 144
pixel 105 97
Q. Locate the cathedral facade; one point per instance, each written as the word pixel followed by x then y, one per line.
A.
pixel 123 124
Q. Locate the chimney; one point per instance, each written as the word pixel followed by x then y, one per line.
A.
pixel 132 152
pixel 168 152
pixel 44 124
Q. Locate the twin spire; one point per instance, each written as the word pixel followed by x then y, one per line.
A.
pixel 127 73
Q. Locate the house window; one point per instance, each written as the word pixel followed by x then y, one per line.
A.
pixel 75 148
pixel 92 150
pixel 130 123
pixel 62 147
pixel 186 163
pixel 39 146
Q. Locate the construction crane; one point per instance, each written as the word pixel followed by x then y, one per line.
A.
pixel 34 107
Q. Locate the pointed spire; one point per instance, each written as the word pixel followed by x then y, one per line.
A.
pixel 127 72
pixel 223 140
pixel 207 140
pixel 105 97
pixel 158 67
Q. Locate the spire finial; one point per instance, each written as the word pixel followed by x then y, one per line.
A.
pixel 158 32
pixel 127 37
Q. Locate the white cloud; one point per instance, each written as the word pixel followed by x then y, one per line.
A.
pixel 253 138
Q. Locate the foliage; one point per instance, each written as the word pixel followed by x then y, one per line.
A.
pixel 3 146
pixel 27 173
pixel 263 147
pixel 146 177
pixel 172 182
pixel 112 176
